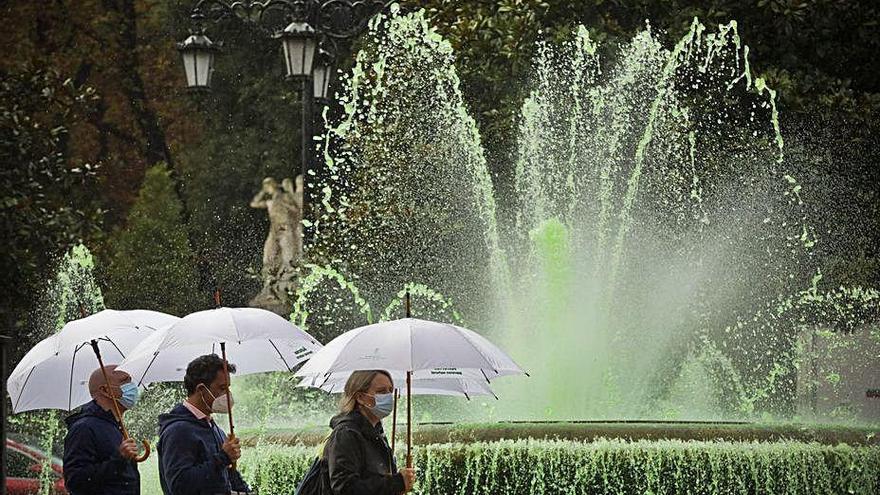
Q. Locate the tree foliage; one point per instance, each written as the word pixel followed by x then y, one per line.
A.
pixel 150 263
pixel 46 196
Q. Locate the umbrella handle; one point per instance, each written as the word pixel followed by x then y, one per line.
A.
pixel 394 420
pixel 228 392
pixel 234 464
pixel 143 457
pixel 409 459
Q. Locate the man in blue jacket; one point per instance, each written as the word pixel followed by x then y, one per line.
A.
pixel 97 461
pixel 195 456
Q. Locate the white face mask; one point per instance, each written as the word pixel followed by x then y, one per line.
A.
pixel 384 405
pixel 219 404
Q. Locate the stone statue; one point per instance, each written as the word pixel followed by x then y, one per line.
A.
pixel 292 198
pixel 283 249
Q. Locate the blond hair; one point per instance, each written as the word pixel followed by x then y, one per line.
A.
pixel 358 382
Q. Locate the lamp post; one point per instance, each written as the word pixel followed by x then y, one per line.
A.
pixel 4 341
pixel 300 43
pixel 312 27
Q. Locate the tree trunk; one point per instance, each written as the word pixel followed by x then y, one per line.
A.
pixel 156 146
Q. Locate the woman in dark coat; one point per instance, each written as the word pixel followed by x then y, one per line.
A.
pixel 358 456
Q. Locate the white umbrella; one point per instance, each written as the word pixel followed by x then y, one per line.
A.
pixel 409 345
pixel 110 321
pixel 55 373
pixel 256 341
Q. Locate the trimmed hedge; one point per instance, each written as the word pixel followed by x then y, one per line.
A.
pixel 607 466
pixel 275 469
pixel 588 431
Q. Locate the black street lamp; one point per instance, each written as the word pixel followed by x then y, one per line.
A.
pixel 322 72
pixel 312 27
pixel 300 42
pixel 197 52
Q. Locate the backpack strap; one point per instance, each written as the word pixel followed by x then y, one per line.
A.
pixel 323 445
pixel 319 450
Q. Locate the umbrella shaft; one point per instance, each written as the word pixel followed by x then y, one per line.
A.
pixel 394 421
pixel 228 391
pixel 409 419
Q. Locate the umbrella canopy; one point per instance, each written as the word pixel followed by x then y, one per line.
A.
pixel 110 321
pixel 256 341
pixel 410 344
pixel 447 381
pixel 54 374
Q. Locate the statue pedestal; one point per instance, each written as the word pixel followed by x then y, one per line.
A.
pixel 270 303
pixel 277 295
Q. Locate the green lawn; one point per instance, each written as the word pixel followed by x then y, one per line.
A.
pixel 149 470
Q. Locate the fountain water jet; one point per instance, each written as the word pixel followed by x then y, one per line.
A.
pixel 653 211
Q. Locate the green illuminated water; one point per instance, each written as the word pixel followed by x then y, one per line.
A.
pixel 652 212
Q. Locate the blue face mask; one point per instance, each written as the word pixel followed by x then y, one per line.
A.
pixel 384 405
pixel 130 395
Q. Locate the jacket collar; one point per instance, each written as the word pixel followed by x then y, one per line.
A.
pixel 360 422
pixel 92 409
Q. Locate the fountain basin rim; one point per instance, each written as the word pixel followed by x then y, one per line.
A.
pixel 591 430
